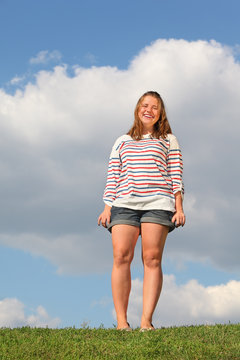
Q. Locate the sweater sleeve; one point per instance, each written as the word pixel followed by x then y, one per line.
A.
pixel 175 165
pixel 114 170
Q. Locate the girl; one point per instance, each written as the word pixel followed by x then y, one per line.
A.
pixel 143 195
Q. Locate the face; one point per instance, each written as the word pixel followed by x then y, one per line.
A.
pixel 149 112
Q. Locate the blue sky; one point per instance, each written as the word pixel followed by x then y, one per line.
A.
pixel 112 32
pixel 71 70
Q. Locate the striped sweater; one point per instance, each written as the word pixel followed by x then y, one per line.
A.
pixel 144 174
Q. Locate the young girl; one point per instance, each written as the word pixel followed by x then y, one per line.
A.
pixel 143 195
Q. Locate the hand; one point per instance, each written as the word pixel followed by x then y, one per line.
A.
pixel 179 218
pixel 105 216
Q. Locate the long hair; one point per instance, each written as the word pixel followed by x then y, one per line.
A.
pixel 160 129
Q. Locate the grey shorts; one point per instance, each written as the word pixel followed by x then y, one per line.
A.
pixel 121 215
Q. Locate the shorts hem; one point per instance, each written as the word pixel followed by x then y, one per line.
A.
pixel 122 222
pixel 152 220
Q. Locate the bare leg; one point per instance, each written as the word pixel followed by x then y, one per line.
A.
pixel 153 241
pixel 124 239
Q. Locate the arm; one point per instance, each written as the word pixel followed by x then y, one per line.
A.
pixel 175 170
pixel 114 168
pixel 179 216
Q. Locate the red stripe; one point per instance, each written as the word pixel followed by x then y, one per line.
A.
pixel 140 152
pixel 113 162
pixel 141 167
pixel 110 192
pixel 177 153
pixel 174 162
pixel 112 170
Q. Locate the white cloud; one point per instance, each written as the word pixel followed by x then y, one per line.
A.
pixel 12 314
pixel 56 135
pixel 45 56
pixel 71 254
pixel 188 304
pixel 91 58
pixel 16 80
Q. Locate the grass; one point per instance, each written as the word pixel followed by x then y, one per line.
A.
pixel 218 342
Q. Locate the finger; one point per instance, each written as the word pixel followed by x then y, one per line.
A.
pixel 99 220
pixel 104 222
pixel 181 223
pixel 178 222
pixel 174 219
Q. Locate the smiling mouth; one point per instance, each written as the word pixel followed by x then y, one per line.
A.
pixel 148 116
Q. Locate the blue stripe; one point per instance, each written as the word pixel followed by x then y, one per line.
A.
pixel 174 158
pixel 175 150
pixel 174 167
pixel 115 167
pixel 132 187
pixel 114 158
pixel 143 196
pixel 114 174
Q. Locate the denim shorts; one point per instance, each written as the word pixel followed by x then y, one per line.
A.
pixel 121 215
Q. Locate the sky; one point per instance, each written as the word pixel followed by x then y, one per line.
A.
pixel 71 73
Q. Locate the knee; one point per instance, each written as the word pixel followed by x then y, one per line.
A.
pixel 152 260
pixel 121 259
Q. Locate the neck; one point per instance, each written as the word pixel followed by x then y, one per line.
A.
pixel 147 131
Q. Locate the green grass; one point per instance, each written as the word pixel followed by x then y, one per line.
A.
pixel 194 342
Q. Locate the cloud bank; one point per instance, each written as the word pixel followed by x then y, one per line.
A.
pixel 188 304
pixel 57 133
pixel 12 314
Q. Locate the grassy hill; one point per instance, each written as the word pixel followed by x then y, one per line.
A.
pixel 193 342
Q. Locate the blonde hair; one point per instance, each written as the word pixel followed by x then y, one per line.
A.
pixel 160 129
